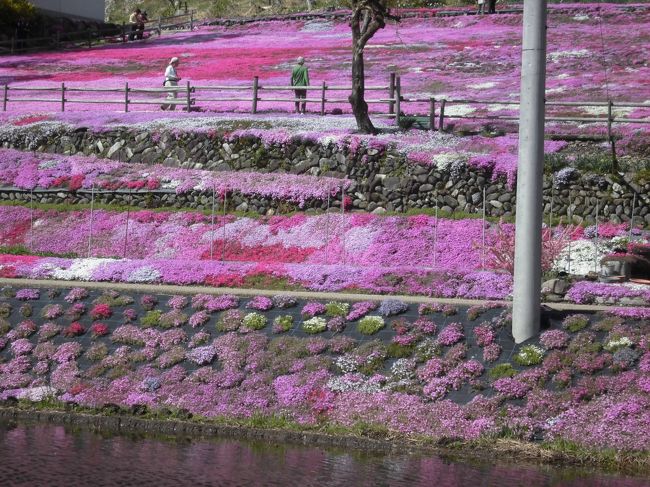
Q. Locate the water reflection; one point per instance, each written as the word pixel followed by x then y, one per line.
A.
pixel 51 455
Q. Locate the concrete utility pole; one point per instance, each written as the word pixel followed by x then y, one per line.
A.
pixel 530 169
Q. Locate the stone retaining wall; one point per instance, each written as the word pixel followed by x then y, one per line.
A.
pixel 382 179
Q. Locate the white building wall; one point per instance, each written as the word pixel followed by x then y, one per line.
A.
pixel 89 9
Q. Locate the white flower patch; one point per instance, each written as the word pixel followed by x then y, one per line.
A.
pixel 580 257
pixel 170 184
pixel 357 383
pixel 459 110
pixel 616 111
pixel 581 17
pixel 482 86
pixel 81 269
pixel 558 89
pixel 144 274
pixel 36 394
pixel 578 53
pixel 317 26
pixel 563 76
pixel 448 159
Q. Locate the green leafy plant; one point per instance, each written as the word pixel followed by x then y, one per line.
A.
pixel 369 325
pixel 574 323
pixel 5 310
pixel 26 310
pixel 334 308
pixel 282 323
pixel 173 319
pixel 254 321
pixel 151 319
pixel 502 370
pixel 395 350
pixel 96 352
pixel 529 355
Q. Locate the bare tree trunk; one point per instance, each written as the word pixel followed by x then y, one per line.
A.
pixel 308 4
pixel 368 16
pixel 357 97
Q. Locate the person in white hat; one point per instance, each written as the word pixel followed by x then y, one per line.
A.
pixel 171 79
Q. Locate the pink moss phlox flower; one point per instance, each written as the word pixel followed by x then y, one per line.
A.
pixel 451 334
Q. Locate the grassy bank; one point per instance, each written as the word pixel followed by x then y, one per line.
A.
pixel 173 424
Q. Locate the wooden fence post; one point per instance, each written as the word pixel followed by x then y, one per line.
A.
pixel 159 26
pixel 432 113
pixel 441 122
pixel 256 82
pixel 90 41
pixel 398 99
pixel 322 98
pixel 609 120
pixel 189 100
pixel 191 18
pixel 123 32
pixel 63 97
pixel 126 97
pixel 13 44
pixel 391 93
pixel 5 98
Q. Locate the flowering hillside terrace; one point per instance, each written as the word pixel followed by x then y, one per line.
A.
pixel 496 155
pixel 328 252
pixel 453 57
pixel 33 171
pixel 425 372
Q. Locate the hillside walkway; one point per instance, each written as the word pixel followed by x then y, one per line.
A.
pixel 173 289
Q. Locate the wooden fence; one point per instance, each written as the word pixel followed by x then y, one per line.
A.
pixel 189 96
pixel 88 37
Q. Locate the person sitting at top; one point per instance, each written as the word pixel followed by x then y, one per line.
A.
pixel 141 19
pixel 300 77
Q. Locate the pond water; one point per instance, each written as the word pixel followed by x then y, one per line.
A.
pixel 40 454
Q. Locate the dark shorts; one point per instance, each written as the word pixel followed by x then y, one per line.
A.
pixel 301 93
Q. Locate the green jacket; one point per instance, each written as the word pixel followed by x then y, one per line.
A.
pixel 300 76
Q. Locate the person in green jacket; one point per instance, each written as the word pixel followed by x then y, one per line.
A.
pixel 300 77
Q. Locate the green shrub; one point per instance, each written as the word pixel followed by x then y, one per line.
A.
pixel 173 319
pixel 502 370
pixel 230 320
pixel 427 349
pixel 151 319
pixel 26 310
pixel 575 323
pixel 282 323
pixel 96 352
pixel 254 321
pixel 113 301
pixel 369 325
pixel 395 350
pixel 529 355
pixel 5 310
pixel 584 342
pixel 334 308
pixel 314 325
pixel 4 326
pixel 607 323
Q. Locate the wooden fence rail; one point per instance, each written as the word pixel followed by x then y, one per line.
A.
pixel 257 93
